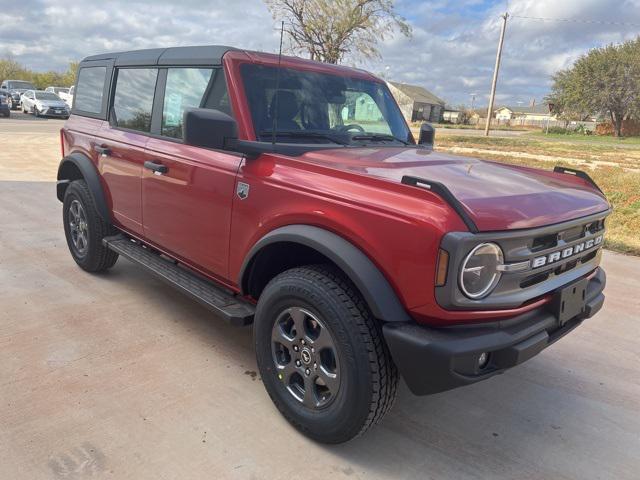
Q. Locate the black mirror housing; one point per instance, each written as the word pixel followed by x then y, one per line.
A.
pixel 427 135
pixel 203 127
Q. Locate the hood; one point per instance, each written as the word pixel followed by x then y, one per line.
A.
pixel 496 196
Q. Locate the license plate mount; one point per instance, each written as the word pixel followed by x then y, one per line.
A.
pixel 570 301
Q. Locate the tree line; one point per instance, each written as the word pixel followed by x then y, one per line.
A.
pixel 604 81
pixel 13 70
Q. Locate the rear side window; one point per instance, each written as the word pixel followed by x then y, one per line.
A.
pixel 133 99
pixel 185 88
pixel 90 89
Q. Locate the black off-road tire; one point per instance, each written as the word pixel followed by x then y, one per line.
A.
pixel 368 376
pixel 97 257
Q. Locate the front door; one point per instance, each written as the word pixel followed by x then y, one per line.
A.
pixel 187 192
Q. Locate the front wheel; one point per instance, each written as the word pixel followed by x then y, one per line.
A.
pixel 321 354
pixel 85 229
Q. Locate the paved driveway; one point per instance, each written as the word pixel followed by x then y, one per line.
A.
pixel 119 376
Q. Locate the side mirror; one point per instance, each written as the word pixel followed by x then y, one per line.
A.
pixel 427 135
pixel 208 128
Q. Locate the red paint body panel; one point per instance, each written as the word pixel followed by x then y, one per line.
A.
pixel 193 214
pixel 188 210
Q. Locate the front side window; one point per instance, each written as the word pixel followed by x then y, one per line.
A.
pixel 185 89
pixel 133 99
pixel 316 107
pixel 90 89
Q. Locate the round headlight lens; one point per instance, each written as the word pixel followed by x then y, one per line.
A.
pixel 479 274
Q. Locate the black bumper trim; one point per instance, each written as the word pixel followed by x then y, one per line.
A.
pixel 433 360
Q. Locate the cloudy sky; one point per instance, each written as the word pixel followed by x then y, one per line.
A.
pixel 452 50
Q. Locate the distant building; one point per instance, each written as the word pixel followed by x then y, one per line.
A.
pixel 453 115
pixel 531 115
pixel 417 103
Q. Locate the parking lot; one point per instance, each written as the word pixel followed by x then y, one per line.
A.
pixel 119 376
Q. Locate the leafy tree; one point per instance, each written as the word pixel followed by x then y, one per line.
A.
pixel 604 81
pixel 329 29
pixel 11 69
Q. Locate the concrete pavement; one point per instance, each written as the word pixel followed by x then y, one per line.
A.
pixel 118 376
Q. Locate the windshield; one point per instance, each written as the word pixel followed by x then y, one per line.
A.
pixel 320 108
pixel 60 90
pixel 47 96
pixel 21 86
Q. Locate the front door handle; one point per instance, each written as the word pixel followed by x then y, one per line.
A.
pixel 102 150
pixel 156 168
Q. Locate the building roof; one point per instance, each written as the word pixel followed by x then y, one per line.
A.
pixel 538 109
pixel 418 94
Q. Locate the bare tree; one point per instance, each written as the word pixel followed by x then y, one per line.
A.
pixel 329 29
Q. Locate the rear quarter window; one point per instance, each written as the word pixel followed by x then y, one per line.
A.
pixel 90 89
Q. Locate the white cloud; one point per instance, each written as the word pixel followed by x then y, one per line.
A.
pixel 452 51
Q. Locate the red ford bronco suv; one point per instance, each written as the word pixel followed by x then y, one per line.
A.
pixel 291 195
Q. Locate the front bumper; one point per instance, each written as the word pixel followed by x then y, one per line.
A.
pixel 433 360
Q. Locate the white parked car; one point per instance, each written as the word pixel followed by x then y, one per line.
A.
pixel 66 94
pixel 41 103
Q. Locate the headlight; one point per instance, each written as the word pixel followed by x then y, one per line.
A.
pixel 479 273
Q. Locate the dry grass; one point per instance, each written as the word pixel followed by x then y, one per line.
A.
pixel 615 169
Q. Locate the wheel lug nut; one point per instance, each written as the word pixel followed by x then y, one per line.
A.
pixel 307 371
pixel 315 365
pixel 298 363
pixel 313 350
pixel 295 348
pixel 302 342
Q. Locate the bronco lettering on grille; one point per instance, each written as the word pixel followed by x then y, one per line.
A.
pixel 566 252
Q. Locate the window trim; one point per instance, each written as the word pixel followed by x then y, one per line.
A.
pixel 108 81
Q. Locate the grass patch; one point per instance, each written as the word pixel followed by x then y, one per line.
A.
pixel 588 138
pixel 620 182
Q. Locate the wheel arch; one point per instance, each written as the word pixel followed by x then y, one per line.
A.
pixel 77 166
pixel 297 245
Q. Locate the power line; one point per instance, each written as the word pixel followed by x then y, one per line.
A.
pixel 577 20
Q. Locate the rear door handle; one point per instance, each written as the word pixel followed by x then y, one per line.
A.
pixel 156 168
pixel 102 150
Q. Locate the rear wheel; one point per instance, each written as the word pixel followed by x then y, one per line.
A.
pixel 321 354
pixel 84 229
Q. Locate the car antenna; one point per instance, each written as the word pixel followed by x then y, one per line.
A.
pixel 274 124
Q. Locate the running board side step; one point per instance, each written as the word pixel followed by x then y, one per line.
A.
pixel 222 302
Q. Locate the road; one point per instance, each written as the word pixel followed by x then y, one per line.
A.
pixel 118 376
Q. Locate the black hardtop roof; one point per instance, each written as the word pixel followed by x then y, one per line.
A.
pixel 198 55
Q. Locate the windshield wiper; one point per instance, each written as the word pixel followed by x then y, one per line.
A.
pixel 303 134
pixel 379 137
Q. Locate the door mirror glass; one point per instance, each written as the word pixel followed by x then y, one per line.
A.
pixel 208 128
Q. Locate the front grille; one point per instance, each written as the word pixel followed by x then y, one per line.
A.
pixel 556 255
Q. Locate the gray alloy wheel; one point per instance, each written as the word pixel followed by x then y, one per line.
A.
pixel 78 228
pixel 305 357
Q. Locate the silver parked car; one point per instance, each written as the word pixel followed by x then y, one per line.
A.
pixel 41 103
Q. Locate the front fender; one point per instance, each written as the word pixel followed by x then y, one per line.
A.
pixel 372 284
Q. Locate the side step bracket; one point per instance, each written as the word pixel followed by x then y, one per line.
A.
pixel 219 300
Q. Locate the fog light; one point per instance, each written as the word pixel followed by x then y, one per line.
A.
pixel 483 360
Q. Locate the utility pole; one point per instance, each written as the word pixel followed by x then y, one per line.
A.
pixel 495 74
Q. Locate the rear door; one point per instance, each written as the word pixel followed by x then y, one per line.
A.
pixel 121 143
pixel 187 191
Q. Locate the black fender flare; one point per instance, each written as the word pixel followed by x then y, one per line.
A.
pixel 90 175
pixel 370 281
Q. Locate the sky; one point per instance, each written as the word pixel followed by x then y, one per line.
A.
pixel 451 52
